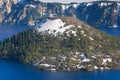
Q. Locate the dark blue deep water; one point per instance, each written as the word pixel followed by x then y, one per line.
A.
pixel 17 71
pixel 111 31
pixel 9 31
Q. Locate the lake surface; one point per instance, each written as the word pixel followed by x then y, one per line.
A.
pixel 111 31
pixel 9 31
pixel 17 71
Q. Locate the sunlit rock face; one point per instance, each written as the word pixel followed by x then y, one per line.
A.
pixel 31 12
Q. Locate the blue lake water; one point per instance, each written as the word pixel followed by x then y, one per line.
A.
pixel 17 71
pixel 9 31
pixel 111 31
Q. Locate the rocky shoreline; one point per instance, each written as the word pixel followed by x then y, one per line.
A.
pixel 76 62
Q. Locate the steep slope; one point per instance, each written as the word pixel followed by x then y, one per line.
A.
pixel 78 47
pixel 23 12
pixel 31 12
pixel 99 14
pixel 27 12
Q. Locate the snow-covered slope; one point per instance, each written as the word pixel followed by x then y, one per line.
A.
pixel 51 25
pixel 54 27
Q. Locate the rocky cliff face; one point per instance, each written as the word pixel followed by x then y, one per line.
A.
pixel 25 12
pixel 19 13
pixel 100 13
pixel 30 13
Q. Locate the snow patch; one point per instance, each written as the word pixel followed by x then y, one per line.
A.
pixel 94 57
pixel 83 55
pixel 89 4
pixel 106 60
pixel 115 26
pixel 79 26
pixel 53 69
pixel 86 60
pixel 75 5
pixel 47 65
pixel 95 67
pixel 91 38
pixel 64 7
pixel 37 63
pixel 55 27
pixel 80 67
pixel 105 4
pixel 63 58
pixel 77 53
pixel 71 32
pixel 101 68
